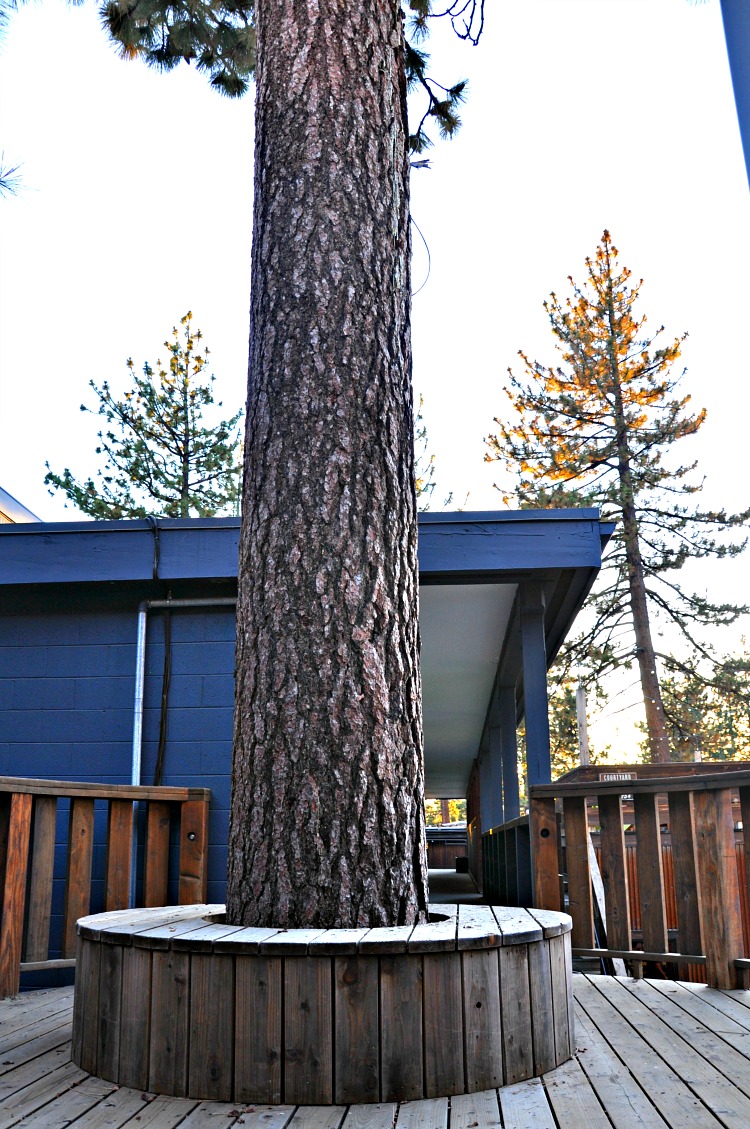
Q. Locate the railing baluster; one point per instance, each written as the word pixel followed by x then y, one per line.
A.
pixel 615 873
pixel 119 854
pixel 686 888
pixel 650 873
pixel 156 869
pixel 580 900
pixel 78 877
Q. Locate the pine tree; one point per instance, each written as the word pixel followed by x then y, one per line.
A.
pixel 595 431
pixel 219 38
pixel 160 458
pixel 328 699
pixel 709 715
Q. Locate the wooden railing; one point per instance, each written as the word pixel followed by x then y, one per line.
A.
pixel 28 838
pixel 706 876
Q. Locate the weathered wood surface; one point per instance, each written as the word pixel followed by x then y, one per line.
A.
pixel 34 787
pixel 686 892
pixel 652 1054
pixel 28 841
pixel 477 998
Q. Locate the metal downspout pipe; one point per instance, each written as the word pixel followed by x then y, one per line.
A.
pixel 140 678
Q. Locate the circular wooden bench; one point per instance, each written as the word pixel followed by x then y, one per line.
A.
pixel 175 1001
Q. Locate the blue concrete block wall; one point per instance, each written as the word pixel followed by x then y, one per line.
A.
pixel 67 680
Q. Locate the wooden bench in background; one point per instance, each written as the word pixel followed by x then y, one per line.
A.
pixel 28 834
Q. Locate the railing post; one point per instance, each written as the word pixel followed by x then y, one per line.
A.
pixel 721 920
pixel 15 835
pixel 42 876
pixel 545 854
pixel 581 905
pixel 650 872
pixel 686 888
pixel 193 843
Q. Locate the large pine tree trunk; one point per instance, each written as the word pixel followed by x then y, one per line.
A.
pixel 327 822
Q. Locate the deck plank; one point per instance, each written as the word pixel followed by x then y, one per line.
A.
pixel 722 1001
pixel 475 1111
pixel 430 1113
pixel 669 1093
pixel 573 1100
pixel 618 1091
pixel 524 1105
pixel 729 1103
pixel 707 1056
pixel 381 1115
pixel 658 1055
pixel 703 1011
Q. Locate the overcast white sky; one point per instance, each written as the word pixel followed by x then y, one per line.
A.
pixel 581 114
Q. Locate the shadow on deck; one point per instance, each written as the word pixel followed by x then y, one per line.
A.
pixel 649 1054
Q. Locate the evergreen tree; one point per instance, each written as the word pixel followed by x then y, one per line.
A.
pixel 328 701
pixel 595 431
pixel 219 37
pixel 161 459
pixel 709 717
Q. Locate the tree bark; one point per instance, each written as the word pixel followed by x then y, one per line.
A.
pixel 327 815
pixel 656 722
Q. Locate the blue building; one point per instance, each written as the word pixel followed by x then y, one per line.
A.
pixel 117 651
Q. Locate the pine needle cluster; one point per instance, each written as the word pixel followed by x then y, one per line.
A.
pixel 217 36
pixel 160 459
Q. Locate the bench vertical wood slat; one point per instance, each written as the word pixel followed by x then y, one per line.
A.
pixel 356 1040
pixel 14 832
pixel 542 1023
pixel 686 888
pixel 110 1006
pixel 483 1050
pixel 308 1074
pixel 170 978
pixel 135 1017
pixel 401 1028
pixel 40 882
pixel 650 873
pixel 615 873
pixel 515 995
pixel 545 854
pixel 211 1055
pixel 561 1024
pixel 258 1029
pixel 119 854
pixel 443 1024
pixel 193 845
pixel 581 905
pixel 155 868
pixel 78 878
pixel 86 1008
pixel 721 924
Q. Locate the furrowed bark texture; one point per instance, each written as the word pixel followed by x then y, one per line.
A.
pixel 327 824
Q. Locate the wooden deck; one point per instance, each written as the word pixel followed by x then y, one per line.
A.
pixel 649 1054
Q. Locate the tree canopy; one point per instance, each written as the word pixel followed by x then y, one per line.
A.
pixel 160 458
pixel 597 430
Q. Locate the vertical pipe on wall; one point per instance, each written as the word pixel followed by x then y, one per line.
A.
pixel 138 697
